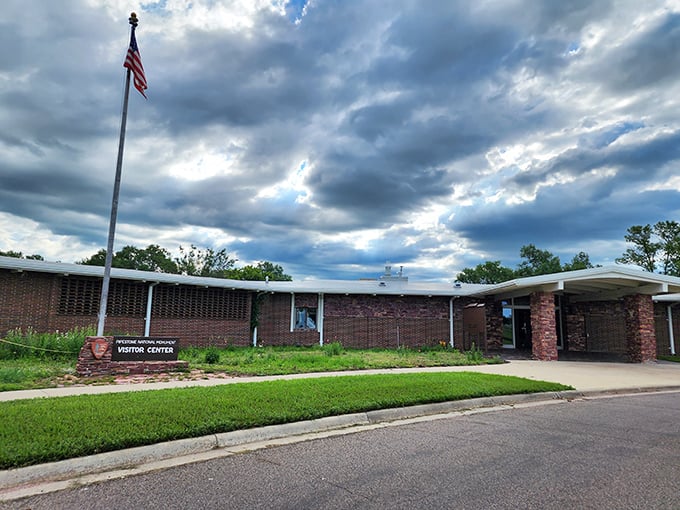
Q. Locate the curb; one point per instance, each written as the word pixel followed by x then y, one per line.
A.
pixel 13 482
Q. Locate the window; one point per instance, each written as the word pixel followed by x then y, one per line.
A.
pixel 508 338
pixel 305 318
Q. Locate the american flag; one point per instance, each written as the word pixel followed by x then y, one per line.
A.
pixel 134 63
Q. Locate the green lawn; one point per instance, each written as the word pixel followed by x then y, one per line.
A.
pixel 42 430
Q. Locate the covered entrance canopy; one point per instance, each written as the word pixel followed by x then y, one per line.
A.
pixel 603 309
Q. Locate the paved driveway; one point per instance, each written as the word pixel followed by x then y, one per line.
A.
pixel 593 376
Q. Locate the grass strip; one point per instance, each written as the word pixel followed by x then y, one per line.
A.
pixel 23 374
pixel 43 430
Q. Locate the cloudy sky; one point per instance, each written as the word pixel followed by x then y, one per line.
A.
pixel 331 136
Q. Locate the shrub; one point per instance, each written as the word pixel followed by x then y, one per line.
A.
pixel 212 355
pixel 474 355
pixel 333 349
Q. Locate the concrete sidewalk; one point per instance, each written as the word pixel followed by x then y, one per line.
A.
pixel 581 375
pixel 590 380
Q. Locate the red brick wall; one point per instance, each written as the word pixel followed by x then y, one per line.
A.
pixel 595 326
pixel 25 300
pixel 385 332
pixel 307 300
pixel 274 323
pixel 414 307
pixel 365 321
pixel 30 299
pixel 202 332
pixel 359 321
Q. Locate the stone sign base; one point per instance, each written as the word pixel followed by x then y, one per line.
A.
pixel 95 359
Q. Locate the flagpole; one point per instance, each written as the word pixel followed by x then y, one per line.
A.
pixel 116 190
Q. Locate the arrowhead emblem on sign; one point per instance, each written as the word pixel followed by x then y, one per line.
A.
pixel 99 347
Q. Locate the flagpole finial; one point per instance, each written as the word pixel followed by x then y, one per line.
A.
pixel 133 19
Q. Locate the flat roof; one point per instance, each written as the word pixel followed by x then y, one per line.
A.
pixel 607 282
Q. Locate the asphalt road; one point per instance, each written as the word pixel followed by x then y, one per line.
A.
pixel 621 452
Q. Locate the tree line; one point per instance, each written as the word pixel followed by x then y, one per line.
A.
pixel 535 262
pixel 655 248
pixel 191 261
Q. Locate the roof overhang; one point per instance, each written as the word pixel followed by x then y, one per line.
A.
pixel 596 284
pixel 600 283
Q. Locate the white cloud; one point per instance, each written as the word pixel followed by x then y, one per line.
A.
pixel 336 136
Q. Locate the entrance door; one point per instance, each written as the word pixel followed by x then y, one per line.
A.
pixel 522 328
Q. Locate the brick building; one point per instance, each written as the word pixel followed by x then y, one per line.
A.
pixel 615 310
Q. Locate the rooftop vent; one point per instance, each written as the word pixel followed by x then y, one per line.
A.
pixel 388 276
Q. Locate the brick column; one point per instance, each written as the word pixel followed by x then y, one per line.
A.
pixel 543 329
pixel 493 311
pixel 640 334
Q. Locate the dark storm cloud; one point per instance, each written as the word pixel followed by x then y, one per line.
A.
pixel 639 161
pixel 321 138
pixel 240 84
pixel 367 185
pixel 651 59
pixel 442 49
pixel 563 216
pixel 305 256
pixel 65 202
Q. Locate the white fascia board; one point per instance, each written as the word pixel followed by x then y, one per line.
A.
pixel 667 298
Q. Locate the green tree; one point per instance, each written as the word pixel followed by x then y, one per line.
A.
pixel 668 233
pixel 488 272
pixel 261 271
pixel 654 247
pixel 537 262
pixel 152 258
pixel 207 262
pixel 98 259
pixel 644 252
pixel 580 261
pixel 19 255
